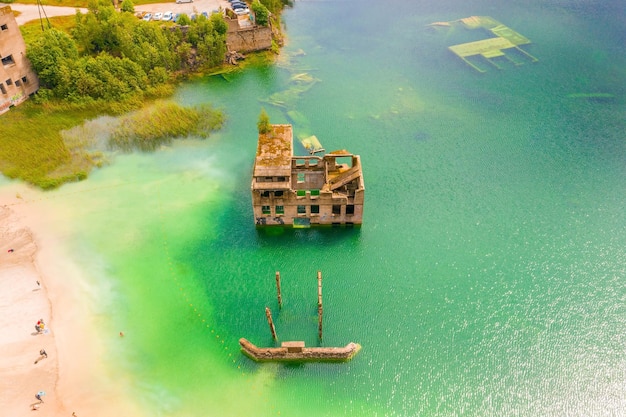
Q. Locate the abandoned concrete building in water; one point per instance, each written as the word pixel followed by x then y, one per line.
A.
pixel 304 191
pixel 17 79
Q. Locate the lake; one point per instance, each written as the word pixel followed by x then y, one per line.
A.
pixel 488 276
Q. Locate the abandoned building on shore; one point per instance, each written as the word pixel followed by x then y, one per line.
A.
pixel 304 191
pixel 17 79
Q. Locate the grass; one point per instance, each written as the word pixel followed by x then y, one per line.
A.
pixel 31 30
pixel 32 149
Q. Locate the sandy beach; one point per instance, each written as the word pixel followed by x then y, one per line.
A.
pixel 39 281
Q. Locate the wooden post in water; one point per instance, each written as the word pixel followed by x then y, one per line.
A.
pixel 280 298
pixel 319 303
pixel 319 313
pixel 319 288
pixel 268 313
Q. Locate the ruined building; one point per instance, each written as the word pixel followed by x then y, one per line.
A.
pixel 304 191
pixel 17 79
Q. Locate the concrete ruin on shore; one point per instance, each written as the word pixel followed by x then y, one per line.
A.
pixel 18 81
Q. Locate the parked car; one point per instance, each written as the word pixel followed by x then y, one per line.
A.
pixel 239 5
pixel 147 17
pixel 176 17
pixel 240 12
pixel 157 16
pixel 167 16
pixel 140 15
pixel 183 1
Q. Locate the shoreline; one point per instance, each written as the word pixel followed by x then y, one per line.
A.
pixel 74 375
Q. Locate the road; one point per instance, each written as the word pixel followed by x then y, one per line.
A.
pixel 29 12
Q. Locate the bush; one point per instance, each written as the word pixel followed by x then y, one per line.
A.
pixel 263 124
pixel 128 6
pixel 261 13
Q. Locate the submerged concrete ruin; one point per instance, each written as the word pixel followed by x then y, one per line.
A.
pixel 503 43
pixel 304 191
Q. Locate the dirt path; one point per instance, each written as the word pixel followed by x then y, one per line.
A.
pixel 29 12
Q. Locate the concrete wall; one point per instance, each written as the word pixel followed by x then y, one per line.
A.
pixel 248 39
pixel 17 79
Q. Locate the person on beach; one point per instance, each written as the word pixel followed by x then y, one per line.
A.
pixel 40 326
pixel 42 355
pixel 38 396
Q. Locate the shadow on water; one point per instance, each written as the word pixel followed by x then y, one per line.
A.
pixel 287 236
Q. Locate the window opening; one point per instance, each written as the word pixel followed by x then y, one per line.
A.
pixel 301 177
pixel 266 209
pixel 315 209
pixel 336 209
pixel 301 209
pixel 350 209
pixel 4 90
pixel 301 193
pixel 278 193
pixel 8 60
pixel 280 209
pixel 4 27
pixel 265 194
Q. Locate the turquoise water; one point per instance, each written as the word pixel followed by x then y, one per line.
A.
pixel 488 276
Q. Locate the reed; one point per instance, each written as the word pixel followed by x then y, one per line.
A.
pixel 151 127
pixel 33 149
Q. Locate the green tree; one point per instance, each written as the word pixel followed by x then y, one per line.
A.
pixel 263 124
pixel 109 78
pixel 274 6
pixel 49 54
pixel 261 13
pixel 219 24
pixel 128 6
pixel 184 20
pixel 95 31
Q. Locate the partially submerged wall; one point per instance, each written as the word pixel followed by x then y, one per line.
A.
pixel 330 354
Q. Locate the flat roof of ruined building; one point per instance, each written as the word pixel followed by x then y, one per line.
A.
pixel 274 152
